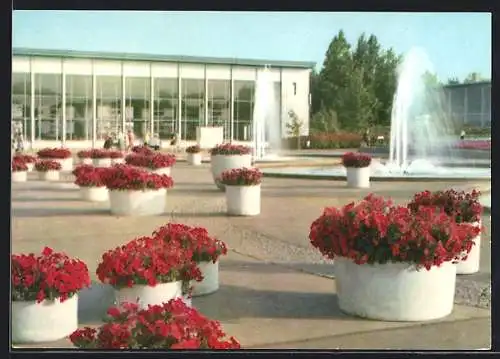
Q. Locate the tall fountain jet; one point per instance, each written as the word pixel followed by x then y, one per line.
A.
pixel 266 122
pixel 420 127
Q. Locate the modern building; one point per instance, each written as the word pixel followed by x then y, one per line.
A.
pixel 77 98
pixel 469 104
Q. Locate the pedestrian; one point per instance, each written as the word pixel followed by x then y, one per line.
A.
pixel 147 139
pixel 108 143
pixel 19 142
pixel 462 135
pixel 130 139
pixel 366 137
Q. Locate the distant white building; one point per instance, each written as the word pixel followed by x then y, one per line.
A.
pixel 77 97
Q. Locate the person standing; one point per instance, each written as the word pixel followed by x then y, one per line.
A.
pixel 121 141
pixel 130 139
pixel 462 135
pixel 366 137
pixel 147 139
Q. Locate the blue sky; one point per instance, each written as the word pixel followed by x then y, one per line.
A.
pixel 457 43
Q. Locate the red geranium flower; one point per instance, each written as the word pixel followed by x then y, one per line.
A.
pixel 89 176
pixel 124 177
pixel 26 158
pixel 99 153
pixel 241 177
pixel 115 154
pixel 193 149
pixel 142 150
pixel 48 153
pixel 152 161
pixel 172 325
pixel 228 149
pixel 48 276
pixel 18 164
pixel 356 160
pixel 47 165
pixel 84 154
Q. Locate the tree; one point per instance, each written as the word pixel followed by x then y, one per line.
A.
pixel 472 77
pixel 294 127
pixel 431 79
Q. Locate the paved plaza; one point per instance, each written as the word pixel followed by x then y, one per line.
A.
pixel 276 290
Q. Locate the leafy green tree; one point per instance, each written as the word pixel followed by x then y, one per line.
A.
pixel 294 127
pixel 473 77
pixel 431 79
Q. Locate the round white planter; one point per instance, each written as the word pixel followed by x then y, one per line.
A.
pixel 210 282
pixel 163 171
pixel 48 175
pixel 19 176
pixel 66 163
pixel 194 159
pixel 30 166
pixel 94 194
pixel 117 161
pixel 358 177
pixel 243 200
pixel 138 203
pixel 221 163
pixel 101 162
pixel 86 161
pixel 471 264
pixel 145 295
pixel 44 322
pixel 395 291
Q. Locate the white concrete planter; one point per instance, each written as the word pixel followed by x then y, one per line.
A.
pixel 101 162
pixel 194 159
pixel 117 161
pixel 31 166
pixel 243 200
pixel 471 264
pixel 221 163
pixel 395 291
pixel 138 203
pixel 145 295
pixel 66 163
pixel 210 282
pixel 86 161
pixel 94 194
pixel 163 171
pixel 44 322
pixel 48 175
pixel 358 177
pixel 19 176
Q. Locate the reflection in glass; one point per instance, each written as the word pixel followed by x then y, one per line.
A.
pixel 219 98
pixel 21 102
pixel 243 110
pixel 137 100
pixel 48 104
pixel 192 107
pixel 166 107
pixel 109 98
pixel 78 107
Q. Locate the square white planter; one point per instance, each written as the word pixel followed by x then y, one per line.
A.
pixel 102 162
pixel 358 177
pixel 145 295
pixel 210 282
pixel 19 176
pixel 138 203
pixel 243 200
pixel 48 175
pixel 471 264
pixel 94 194
pixel 44 322
pixel 194 159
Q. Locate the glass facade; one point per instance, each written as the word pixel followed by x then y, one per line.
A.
pixel 21 101
pixel 109 106
pixel 138 104
pixel 243 110
pixel 193 111
pixel 219 105
pixel 79 107
pixel 166 107
pixel 48 107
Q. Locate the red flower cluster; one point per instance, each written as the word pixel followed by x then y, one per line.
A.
pixel 356 160
pixel 25 158
pixel 89 176
pixel 153 161
pixel 228 149
pixel 18 164
pixel 84 154
pixel 172 325
pixel 193 149
pixel 241 177
pixel 115 154
pixel 484 145
pixel 99 153
pixel 54 153
pixel 147 261
pixel 462 206
pixel 204 247
pixel 375 231
pixel 47 165
pixel 124 177
pixel 48 276
pixel 142 150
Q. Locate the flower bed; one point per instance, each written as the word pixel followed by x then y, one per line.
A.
pixel 136 192
pixel 19 170
pixel 148 268
pixel 157 162
pixel 171 325
pixel 101 157
pixel 142 150
pixel 391 258
pixel 462 207
pixel 28 159
pixel 226 157
pixel 91 183
pixel 242 191
pixel 44 295
pixel 117 157
pixel 194 155
pixel 48 170
pixel 206 251
pixel 61 155
pixel 84 157
pixel 483 145
pixel 193 149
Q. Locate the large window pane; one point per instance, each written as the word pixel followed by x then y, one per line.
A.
pixel 193 92
pixel 109 99
pixel 243 110
pixel 78 107
pixel 48 104
pixel 21 102
pixel 137 104
pixel 219 98
pixel 166 107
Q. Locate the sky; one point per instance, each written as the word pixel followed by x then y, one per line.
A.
pixel 456 43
